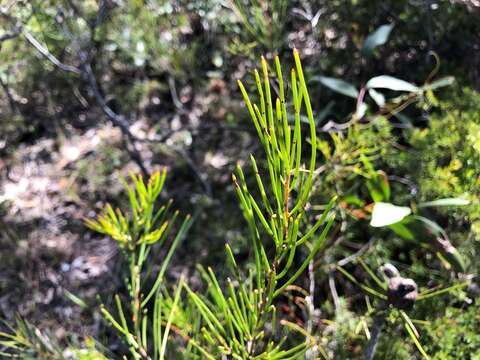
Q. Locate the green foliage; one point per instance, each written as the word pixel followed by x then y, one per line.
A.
pixel 366 193
pixel 395 311
pixel 447 153
pixel 407 184
pixel 242 322
pixel 27 342
pixel 263 20
pixel 459 331
pixel 146 225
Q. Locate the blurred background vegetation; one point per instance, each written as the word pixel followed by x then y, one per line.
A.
pixel 91 90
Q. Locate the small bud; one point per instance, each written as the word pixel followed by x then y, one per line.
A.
pixel 389 271
pixel 402 292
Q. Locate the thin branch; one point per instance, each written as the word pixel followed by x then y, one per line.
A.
pixel 206 185
pixel 310 311
pixel 10 35
pixel 333 290
pixel 377 327
pixel 44 51
pixel 117 120
pixel 175 99
pixel 359 253
pixel 334 126
pixel 11 100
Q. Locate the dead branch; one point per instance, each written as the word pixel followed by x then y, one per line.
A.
pixel 44 51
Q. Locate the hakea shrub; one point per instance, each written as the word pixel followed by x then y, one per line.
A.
pixel 242 321
pixel 236 318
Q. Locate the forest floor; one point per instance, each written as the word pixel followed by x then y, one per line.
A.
pixel 52 254
pixel 58 271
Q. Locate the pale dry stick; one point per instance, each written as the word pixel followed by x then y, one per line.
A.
pixel 355 255
pixel 174 94
pixel 333 289
pixel 11 100
pixel 310 311
pixel 44 51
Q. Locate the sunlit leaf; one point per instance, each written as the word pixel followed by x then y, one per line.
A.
pixel 377 97
pixel 385 214
pixel 390 83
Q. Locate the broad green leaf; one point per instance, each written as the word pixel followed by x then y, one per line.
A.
pixel 385 214
pixel 431 225
pixel 455 259
pixel 377 38
pixel 338 85
pixel 379 187
pixel 449 252
pixel 391 83
pixel 353 200
pixel 445 202
pixel 403 231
